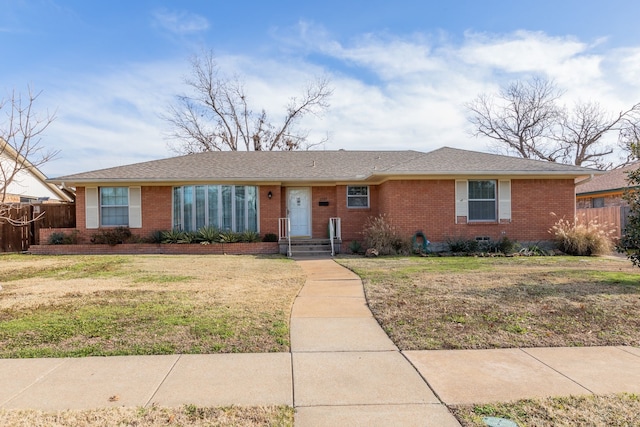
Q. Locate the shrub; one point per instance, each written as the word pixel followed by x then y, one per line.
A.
pixel 582 239
pixel 270 237
pixel 111 236
pixel 155 237
pixel 381 235
pixel 630 241
pixel 209 234
pixel 249 237
pixel 460 245
pixel 506 245
pixel 172 236
pixel 229 237
pixel 355 247
pixel 60 238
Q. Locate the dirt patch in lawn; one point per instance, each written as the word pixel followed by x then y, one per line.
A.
pixel 114 305
pixel 472 303
pixel 154 416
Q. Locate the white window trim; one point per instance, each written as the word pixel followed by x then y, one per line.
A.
pixel 494 200
pixel 503 202
pixel 354 196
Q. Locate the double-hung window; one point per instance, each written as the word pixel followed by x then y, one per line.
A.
pixel 357 196
pixel 114 206
pixel 482 200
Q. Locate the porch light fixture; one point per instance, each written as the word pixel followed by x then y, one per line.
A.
pixel 269 195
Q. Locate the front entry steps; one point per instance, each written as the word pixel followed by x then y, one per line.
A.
pixel 310 247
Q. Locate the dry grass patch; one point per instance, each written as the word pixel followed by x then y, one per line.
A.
pixel 470 303
pixel 151 417
pixel 118 305
pixel 598 411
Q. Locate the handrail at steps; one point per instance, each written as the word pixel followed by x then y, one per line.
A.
pixel 284 232
pixel 335 232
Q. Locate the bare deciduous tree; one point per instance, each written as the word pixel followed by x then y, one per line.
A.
pixel 525 119
pixel 217 115
pixel 21 128
pixel 519 119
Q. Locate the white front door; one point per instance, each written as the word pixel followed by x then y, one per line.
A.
pixel 299 211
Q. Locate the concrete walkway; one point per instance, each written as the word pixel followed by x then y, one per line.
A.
pixel 342 370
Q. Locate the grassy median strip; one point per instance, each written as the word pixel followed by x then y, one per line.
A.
pixel 472 303
pixel 616 410
pixel 154 416
pixel 124 305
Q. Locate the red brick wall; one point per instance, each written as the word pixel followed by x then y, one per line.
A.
pixel 429 206
pixel 270 209
pixel 412 205
pixel 173 249
pixel 320 214
pixel 156 210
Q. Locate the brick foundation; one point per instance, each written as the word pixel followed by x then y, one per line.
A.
pixel 260 248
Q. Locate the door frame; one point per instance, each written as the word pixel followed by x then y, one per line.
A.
pixel 309 204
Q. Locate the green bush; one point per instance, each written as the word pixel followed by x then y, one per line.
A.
pixel 229 237
pixel 155 237
pixel 630 241
pixel 355 247
pixel 60 238
pixel 112 236
pixel 249 237
pixel 209 234
pixel 172 236
pixel 461 245
pixel 381 235
pixel 580 239
pixel 270 237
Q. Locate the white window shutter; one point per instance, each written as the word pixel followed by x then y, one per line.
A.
pixel 135 207
pixel 92 207
pixel 504 200
pixel 462 199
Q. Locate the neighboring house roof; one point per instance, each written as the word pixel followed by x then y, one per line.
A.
pixel 323 166
pixel 30 181
pixel 611 182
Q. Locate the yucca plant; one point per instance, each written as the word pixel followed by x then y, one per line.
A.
pixel 249 237
pixel 209 234
pixel 172 236
pixel 229 237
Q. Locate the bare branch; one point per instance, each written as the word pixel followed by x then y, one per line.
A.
pixel 21 129
pixel 218 116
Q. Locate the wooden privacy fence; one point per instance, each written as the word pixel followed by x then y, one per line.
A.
pixel 615 216
pixel 19 238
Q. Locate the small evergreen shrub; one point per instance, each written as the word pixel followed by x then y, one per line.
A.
pixel 155 237
pixel 461 245
pixel 172 236
pixel 270 237
pixel 60 238
pixel 381 235
pixel 249 237
pixel 630 241
pixel 209 234
pixel 575 238
pixel 355 247
pixel 112 236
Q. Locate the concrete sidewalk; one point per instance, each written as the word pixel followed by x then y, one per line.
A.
pixel 342 370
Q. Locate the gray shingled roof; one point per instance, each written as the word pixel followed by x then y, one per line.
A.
pixel 319 166
pixel 615 180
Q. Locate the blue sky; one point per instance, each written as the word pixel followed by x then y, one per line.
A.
pixel 401 71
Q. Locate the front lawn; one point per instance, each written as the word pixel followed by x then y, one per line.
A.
pixel 473 303
pixel 60 306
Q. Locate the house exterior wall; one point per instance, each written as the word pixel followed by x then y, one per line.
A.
pixel 429 206
pixel 411 205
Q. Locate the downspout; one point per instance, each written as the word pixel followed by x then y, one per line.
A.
pixel 585 180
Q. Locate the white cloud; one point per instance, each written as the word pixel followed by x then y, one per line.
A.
pixel 415 99
pixel 180 22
